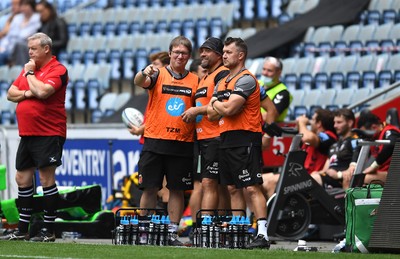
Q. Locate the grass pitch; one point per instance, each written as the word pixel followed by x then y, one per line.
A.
pixel 19 249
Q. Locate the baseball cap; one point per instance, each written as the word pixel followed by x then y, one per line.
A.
pixel 214 44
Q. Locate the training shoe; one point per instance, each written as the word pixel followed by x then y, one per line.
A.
pixel 43 236
pixel 341 247
pixel 259 242
pixel 15 235
pixel 173 239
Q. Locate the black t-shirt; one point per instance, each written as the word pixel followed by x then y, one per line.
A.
pixel 342 152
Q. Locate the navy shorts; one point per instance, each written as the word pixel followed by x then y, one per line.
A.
pixel 196 162
pixel 240 166
pixel 177 169
pixel 209 152
pixel 39 152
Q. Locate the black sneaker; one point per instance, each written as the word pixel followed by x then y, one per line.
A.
pixel 259 242
pixel 44 236
pixel 173 239
pixel 15 235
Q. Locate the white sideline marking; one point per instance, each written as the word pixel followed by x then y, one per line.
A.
pixel 37 257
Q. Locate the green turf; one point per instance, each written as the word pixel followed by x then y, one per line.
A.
pixel 18 249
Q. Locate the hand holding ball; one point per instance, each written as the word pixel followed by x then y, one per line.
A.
pixel 132 116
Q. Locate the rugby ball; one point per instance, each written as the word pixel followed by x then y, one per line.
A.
pixel 132 116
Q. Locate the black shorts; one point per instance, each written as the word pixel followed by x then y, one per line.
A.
pixel 177 169
pixel 209 152
pixel 240 166
pixel 39 152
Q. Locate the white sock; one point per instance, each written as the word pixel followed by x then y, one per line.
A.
pixel 262 228
pixel 173 227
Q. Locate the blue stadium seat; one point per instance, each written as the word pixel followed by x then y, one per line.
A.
pixel 337 80
pixel 142 3
pixel 115 61
pixel 141 59
pixel 372 47
pixel 306 81
pixel 340 48
pixel 389 16
pixel 118 3
pixel 134 27
pixel 162 26
pixel 248 9
pixel 96 116
pixel 7 118
pixel 284 18
pixel 80 94
pixel 97 29
pixel 321 80
pixel 313 108
pixel 93 92
pixel 261 9
pixel 4 85
pixel 127 63
pixel 148 27
pixel 63 57
pixel 300 110
pixel 216 27
pixel 188 29
pixel 131 3
pixel 309 49
pixel 89 57
pixel 122 28
pixel 109 29
pixel 388 46
pixel 101 56
pixel 84 29
pixel 369 79
pixel 69 95
pixel 353 79
pixel 332 107
pixel 76 57
pixel 201 31
pixel 324 49
pixel 356 47
pixel 72 30
pixel 290 81
pixel 175 27
pixel 373 17
pixel 385 78
pixel 396 76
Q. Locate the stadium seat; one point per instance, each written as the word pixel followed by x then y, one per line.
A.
pixel 321 81
pixel 340 48
pixel 115 61
pixel 313 97
pixel 344 96
pixel 188 29
pixel 290 81
pixel 63 57
pixel 80 94
pixel 141 59
pixel 385 78
pixel 313 108
pixel 350 33
pixel 101 56
pixel 335 33
pixel 284 18
pixel 299 111
pixel 248 8
pixel 107 103
pixel 365 63
pixel 148 27
pixel 122 28
pixel 162 26
pixel 372 47
pixel 309 49
pixel 76 57
pixel 348 63
pixel 389 16
pixel 353 79
pixel 109 29
pixel 84 29
pixel 4 85
pixel 121 100
pixel 394 62
pixel 96 29
pixel 324 49
pixel 320 34
pixel 373 17
pixel 216 27
pixel 366 32
pixel 175 27
pixel 89 57
pixel 396 76
pixel 369 79
pixel 332 107
pixel 93 92
pixel 298 96
pixel 72 30
pixel 387 46
pixel 134 27
pixel 69 96
pixel 261 9
pixel 356 47
pixel 327 97
pixel 201 31
pixel 305 81
pixel 127 63
pixel 382 32
pixel 337 80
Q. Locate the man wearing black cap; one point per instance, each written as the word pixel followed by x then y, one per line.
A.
pixel 207 131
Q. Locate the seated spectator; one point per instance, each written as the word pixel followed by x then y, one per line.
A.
pixel 6 20
pixel 52 25
pixel 22 26
pixel 317 142
pixel 382 154
pixel 341 153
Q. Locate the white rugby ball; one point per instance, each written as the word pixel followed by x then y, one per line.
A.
pixel 132 116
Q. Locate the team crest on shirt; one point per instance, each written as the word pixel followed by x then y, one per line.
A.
pixel 175 106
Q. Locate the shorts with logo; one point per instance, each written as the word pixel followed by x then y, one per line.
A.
pixel 209 151
pixel 240 166
pixel 39 152
pixel 177 169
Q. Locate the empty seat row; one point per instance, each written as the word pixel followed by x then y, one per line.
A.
pixel 377 17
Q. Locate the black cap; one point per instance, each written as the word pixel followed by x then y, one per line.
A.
pixel 214 44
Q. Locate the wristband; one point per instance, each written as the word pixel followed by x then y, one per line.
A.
pixel 30 72
pixel 339 174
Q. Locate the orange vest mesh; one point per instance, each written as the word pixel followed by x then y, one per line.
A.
pixel 168 99
pixel 250 117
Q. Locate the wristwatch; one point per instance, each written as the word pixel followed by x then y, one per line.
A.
pixel 30 72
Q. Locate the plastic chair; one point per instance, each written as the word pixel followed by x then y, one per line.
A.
pixel 305 81
pixel 373 17
pixel 369 79
pixel 321 81
pixel 290 81
pixel 80 94
pixel 353 79
pixel 385 78
pixel 389 16
pixel 337 80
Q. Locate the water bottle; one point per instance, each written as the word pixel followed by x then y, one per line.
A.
pixel 143 231
pixel 124 222
pixel 133 240
pixel 245 221
pixel 163 231
pixel 156 233
pixel 205 231
pixel 217 230
pixel 302 246
pixel 234 230
pixel 151 231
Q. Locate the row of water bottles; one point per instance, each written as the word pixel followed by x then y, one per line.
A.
pixel 142 230
pixel 217 232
